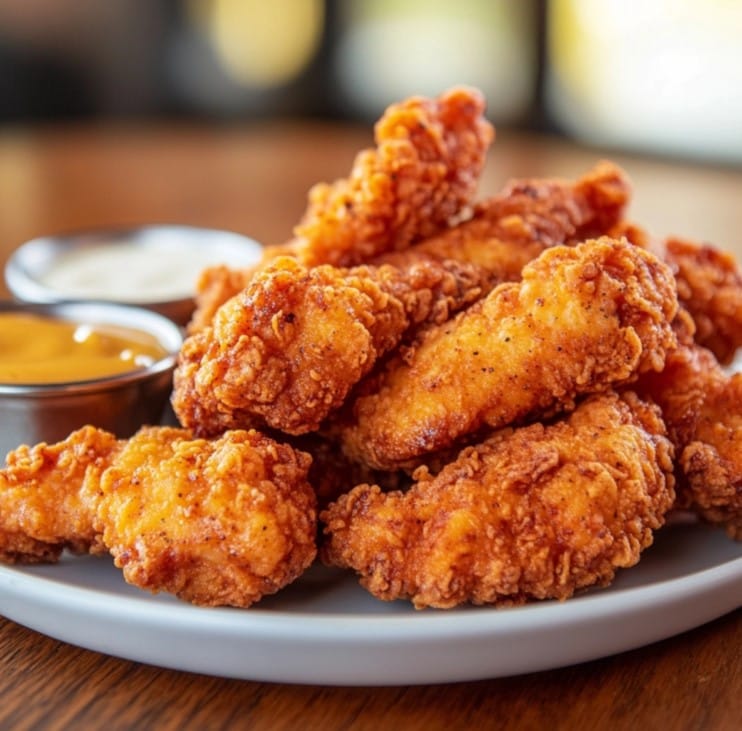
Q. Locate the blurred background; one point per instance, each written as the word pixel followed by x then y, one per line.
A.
pixel 649 76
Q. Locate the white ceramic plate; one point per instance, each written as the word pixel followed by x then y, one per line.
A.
pixel 325 629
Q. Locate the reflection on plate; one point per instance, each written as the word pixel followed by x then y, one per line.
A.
pixel 325 629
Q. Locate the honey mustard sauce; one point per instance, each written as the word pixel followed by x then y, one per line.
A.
pixel 36 350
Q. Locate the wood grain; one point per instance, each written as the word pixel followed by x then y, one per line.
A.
pixel 688 682
pixel 254 179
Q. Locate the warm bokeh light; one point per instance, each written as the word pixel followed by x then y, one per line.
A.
pixel 662 75
pixel 262 44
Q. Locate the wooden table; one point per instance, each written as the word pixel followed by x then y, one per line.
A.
pixel 254 179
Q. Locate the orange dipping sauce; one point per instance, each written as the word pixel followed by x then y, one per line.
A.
pixel 37 350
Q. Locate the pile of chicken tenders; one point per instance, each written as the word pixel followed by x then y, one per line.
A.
pixel 461 400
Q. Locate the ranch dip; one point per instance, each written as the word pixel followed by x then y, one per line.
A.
pixel 129 272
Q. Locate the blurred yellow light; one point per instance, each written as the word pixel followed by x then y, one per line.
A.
pixel 263 43
pixel 660 75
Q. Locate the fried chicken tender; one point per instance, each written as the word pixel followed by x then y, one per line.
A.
pixel 712 462
pixel 509 230
pixel 709 284
pixel 702 406
pixel 422 173
pixel 220 522
pixel 535 512
pixel 553 211
pixel 503 234
pixel 253 367
pixel 48 497
pixel 216 523
pixel 710 287
pixel 288 349
pixel 583 319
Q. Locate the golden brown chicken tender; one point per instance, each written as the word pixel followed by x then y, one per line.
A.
pixel 583 319
pixel 288 349
pixel 507 231
pixel 710 288
pixel 254 368
pixel 702 406
pixel 554 211
pixel 501 236
pixel 535 512
pixel 48 496
pixel 421 175
pixel 712 462
pixel 215 522
pixel 423 171
pixel 220 522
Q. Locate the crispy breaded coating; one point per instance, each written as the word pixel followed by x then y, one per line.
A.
pixel 712 462
pixel 220 522
pixel 553 211
pixel 709 284
pixel 510 229
pixel 702 406
pixel 423 171
pixel 287 350
pixel 583 319
pixel 536 512
pixel 247 370
pixel 681 386
pixel 710 287
pixel 332 472
pixel 216 284
pixel 49 494
pixel 503 234
pixel 421 175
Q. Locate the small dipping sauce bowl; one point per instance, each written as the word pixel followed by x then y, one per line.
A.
pixel 155 266
pixel 37 408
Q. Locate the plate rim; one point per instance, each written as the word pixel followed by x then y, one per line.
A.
pixel 270 645
pixel 143 606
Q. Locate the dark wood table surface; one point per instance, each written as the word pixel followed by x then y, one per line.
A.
pixel 253 179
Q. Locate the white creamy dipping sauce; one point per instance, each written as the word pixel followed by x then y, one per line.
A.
pixel 131 272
